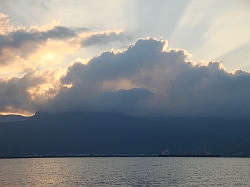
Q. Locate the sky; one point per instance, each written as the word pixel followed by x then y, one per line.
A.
pixel 146 58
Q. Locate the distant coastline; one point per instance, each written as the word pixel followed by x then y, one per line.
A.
pixel 120 155
pixel 190 155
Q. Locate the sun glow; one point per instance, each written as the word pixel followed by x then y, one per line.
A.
pixel 49 57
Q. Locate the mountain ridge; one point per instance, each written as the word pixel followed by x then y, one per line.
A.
pixel 78 132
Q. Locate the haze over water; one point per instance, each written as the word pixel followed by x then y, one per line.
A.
pixel 139 171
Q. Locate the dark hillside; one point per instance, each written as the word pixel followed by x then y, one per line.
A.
pixel 108 133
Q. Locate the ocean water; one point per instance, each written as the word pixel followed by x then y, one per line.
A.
pixel 138 171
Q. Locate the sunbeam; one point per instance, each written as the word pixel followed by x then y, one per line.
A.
pixel 210 30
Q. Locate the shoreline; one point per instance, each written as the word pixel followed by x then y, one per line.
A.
pixel 122 155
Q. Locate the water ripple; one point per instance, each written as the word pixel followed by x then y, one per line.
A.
pixel 125 172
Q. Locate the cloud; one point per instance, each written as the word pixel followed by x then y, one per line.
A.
pixel 14 95
pixel 150 79
pixel 18 45
pixel 5 25
pixel 19 37
pixel 104 38
pixel 34 58
pixel 51 45
pixel 122 101
pixel 147 78
pixel 26 93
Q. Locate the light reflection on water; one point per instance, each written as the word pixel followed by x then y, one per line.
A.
pixel 125 172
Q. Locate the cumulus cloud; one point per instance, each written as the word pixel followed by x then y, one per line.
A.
pixel 33 58
pixel 147 78
pixel 150 79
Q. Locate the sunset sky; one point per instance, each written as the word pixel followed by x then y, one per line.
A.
pixel 139 57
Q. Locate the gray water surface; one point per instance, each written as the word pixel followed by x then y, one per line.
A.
pixel 139 171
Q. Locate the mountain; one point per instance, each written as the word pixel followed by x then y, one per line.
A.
pixel 76 132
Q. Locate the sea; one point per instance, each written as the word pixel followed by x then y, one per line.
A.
pixel 125 172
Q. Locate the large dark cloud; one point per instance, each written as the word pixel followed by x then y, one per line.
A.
pixel 147 79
